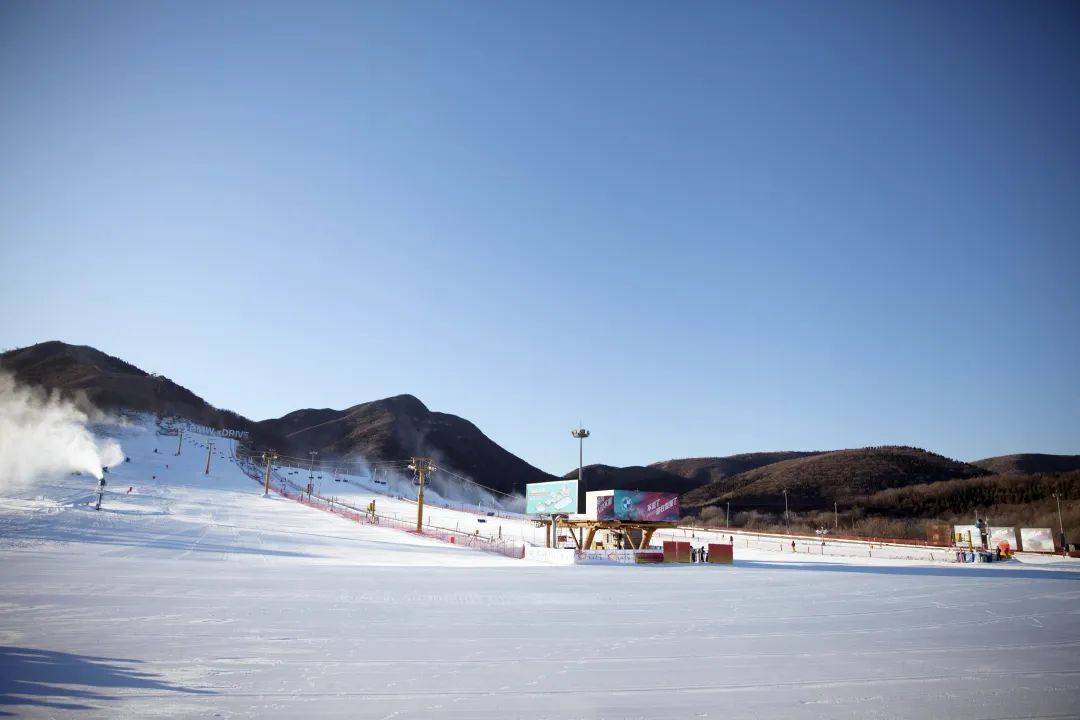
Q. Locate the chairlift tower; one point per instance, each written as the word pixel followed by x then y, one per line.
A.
pixel 269 457
pixel 423 467
pixel 311 473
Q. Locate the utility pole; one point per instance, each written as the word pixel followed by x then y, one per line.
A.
pixel 836 517
pixel 727 515
pixel 1061 523
pixel 209 449
pixel 785 506
pixel 581 433
pixel 311 473
pixel 423 468
pixel 180 442
pixel 269 457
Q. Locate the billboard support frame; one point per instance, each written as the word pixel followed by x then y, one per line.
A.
pixel 624 527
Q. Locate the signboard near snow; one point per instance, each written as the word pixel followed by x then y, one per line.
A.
pixel 965 535
pixel 1001 535
pixel 1037 540
pixel 639 506
pixel 173 426
pixel 549 498
pixel 605 557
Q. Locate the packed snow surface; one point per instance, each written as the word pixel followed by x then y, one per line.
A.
pixel 195 596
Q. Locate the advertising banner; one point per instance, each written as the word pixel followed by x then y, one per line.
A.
pixel 1001 535
pixel 963 534
pixel 548 498
pixel 605 557
pixel 638 505
pixel 553 556
pixel 1037 540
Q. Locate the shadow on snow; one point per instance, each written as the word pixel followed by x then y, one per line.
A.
pixel 64 681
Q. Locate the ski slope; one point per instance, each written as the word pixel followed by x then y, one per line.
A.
pixel 194 596
pixel 398 501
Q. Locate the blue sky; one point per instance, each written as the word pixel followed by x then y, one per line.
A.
pixel 700 229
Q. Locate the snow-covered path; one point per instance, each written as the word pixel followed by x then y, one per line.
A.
pixel 196 597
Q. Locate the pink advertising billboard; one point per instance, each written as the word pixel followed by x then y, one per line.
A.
pixel 638 505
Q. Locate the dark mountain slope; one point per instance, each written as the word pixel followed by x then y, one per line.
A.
pixel 1025 463
pixel 844 476
pixel 679 475
pixel 705 470
pixel 400 427
pixel 91 378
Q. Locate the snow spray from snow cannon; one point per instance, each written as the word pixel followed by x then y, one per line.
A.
pixel 43 434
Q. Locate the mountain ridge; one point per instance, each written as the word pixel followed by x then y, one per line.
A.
pixel 400 426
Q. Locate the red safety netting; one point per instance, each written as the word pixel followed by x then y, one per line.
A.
pixel 287 489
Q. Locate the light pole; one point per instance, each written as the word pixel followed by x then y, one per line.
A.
pixel 785 506
pixel 1061 524
pixel 581 433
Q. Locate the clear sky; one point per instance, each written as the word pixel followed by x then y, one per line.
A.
pixel 698 228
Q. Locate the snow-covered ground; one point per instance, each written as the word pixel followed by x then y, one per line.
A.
pixel 194 596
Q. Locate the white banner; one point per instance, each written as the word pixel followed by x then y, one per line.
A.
pixel 999 535
pixel 553 556
pixel 605 557
pixel 964 534
pixel 1037 540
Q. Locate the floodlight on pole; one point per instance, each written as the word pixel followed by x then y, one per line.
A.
pixel 1061 523
pixel 581 433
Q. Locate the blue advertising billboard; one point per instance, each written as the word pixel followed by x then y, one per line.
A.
pixel 549 498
